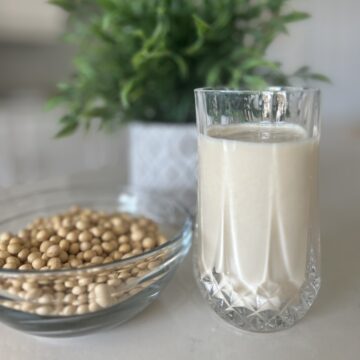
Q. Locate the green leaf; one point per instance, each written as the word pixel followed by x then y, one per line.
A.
pixel 144 56
pixel 139 34
pixel 101 111
pixel 69 127
pixel 201 26
pixel 84 67
pixel 305 74
pixel 107 22
pixel 54 102
pixel 275 5
pixel 320 77
pixel 213 76
pixel 237 76
pixel 255 82
pixel 295 16
pixel 126 91
pixel 201 29
pixel 250 64
pixel 108 5
pixel 181 64
pixel 63 87
pixel 67 5
pixel 159 32
pixel 302 70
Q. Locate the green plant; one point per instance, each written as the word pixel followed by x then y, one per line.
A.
pixel 141 59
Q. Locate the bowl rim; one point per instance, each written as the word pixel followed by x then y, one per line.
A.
pixel 81 185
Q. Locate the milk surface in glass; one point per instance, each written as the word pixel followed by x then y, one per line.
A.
pixel 257 186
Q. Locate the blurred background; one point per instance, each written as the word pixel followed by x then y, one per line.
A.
pixel 33 59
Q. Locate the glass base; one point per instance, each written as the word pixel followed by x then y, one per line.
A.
pixel 268 318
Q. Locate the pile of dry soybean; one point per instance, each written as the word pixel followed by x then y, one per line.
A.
pixel 76 239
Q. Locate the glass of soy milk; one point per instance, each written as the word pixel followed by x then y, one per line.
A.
pixel 257 255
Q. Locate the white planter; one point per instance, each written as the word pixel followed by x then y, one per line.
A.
pixel 164 157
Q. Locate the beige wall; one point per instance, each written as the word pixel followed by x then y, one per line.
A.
pixel 29 152
pixel 29 21
pixel 330 43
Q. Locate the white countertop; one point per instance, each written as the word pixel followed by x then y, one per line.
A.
pixel 180 325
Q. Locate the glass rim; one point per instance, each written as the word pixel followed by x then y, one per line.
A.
pixel 271 89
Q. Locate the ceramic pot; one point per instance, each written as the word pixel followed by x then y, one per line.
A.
pixel 164 157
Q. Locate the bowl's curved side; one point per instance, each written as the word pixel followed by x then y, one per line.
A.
pixel 147 289
pixel 30 312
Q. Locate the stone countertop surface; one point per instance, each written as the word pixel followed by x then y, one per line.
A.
pixel 179 325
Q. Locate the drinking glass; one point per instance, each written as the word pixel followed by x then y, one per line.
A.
pixel 257 252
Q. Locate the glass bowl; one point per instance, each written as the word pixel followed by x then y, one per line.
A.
pixel 77 301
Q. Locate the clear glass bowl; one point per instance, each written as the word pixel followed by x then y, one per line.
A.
pixel 45 303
